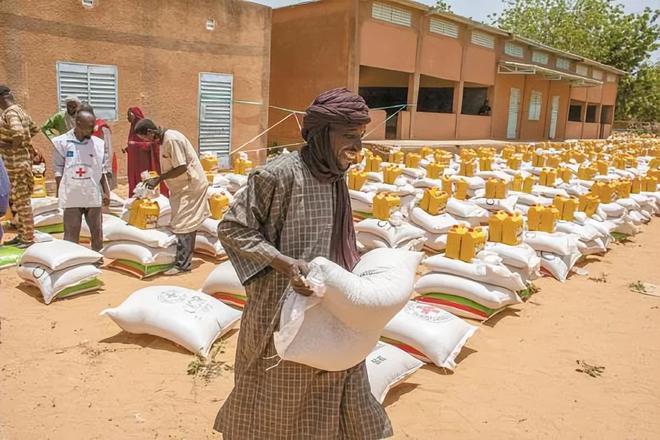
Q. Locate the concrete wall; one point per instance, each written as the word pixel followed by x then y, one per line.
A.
pixel 573 130
pixel 590 130
pixel 533 130
pixel 434 125
pixel 159 49
pixel 379 40
pixel 441 56
pixel 377 125
pixel 500 103
pixel 311 50
pixel 473 127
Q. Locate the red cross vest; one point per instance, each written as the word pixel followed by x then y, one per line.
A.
pixel 83 168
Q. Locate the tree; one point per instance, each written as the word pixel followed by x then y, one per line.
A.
pixel 441 6
pixel 596 29
pixel 640 96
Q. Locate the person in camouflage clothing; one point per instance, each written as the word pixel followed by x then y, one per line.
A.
pixel 18 155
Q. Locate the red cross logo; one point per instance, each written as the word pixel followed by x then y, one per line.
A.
pixel 81 172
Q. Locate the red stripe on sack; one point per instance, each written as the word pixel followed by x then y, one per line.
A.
pixel 452 304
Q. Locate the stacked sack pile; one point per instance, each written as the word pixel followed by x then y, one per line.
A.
pixel 142 245
pixel 60 269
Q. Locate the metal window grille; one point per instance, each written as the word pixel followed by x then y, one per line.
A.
pixel 483 39
pixel 215 105
pixel 535 103
pixel 581 69
pixel 382 11
pixel 563 63
pixel 513 50
pixel 539 57
pixel 443 27
pixel 91 83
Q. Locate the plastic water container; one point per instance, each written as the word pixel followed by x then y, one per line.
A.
pixel 396 156
pixel 454 238
pixel 383 204
pixel 528 184
pixel 373 163
pixel 447 185
pixel 564 174
pixel 586 173
pixel 512 229
pixel 434 201
pixel 514 162
pixel 553 161
pixel 209 163
pixel 413 160
pixel 39 189
pixel 472 243
pixel 588 203
pixel 549 217
pixel 517 183
pixel 538 160
pixel 602 167
pixel 649 184
pixel 485 164
pixel 495 226
pixel 566 206
pixel 604 191
pixel 425 152
pixel 496 189
pixel 390 174
pixel 144 214
pixel 356 179
pixel 636 185
pixel 623 188
pixel 548 177
pixel 435 170
pixel 461 189
pixel 467 168
pixel 218 205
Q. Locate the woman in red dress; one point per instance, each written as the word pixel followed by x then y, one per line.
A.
pixel 141 155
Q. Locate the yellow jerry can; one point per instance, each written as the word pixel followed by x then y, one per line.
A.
pixel 566 207
pixel 435 170
pixel 528 184
pixel 514 162
pixel 548 177
pixel 588 203
pixel 209 163
pixel 564 174
pixel 472 243
pixel 495 226
pixel 390 173
pixel 534 218
pixel 496 189
pixel 144 214
pixel 434 201
pixel 485 164
pixel 512 229
pixel 396 157
pixel 517 183
pixel 413 160
pixel 602 166
pixel 553 161
pixel 373 164
pixel 461 189
pixel 39 188
pixel 454 238
pixel 467 168
pixel 383 204
pixel 649 184
pixel 218 204
pixel 356 179
pixel 447 185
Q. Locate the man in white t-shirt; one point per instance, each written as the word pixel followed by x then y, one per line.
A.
pixel 82 187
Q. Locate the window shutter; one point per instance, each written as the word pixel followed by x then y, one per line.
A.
pixel 215 102
pixel 382 11
pixel 483 39
pixel 563 63
pixel 94 84
pixel 597 74
pixel 513 50
pixel 443 27
pixel 535 106
pixel 539 57
pixel 581 69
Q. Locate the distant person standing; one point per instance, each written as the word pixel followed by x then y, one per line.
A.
pixel 5 188
pixel 62 121
pixel 142 155
pixel 18 155
pixel 485 109
pixel 103 132
pixel 185 177
pixel 82 186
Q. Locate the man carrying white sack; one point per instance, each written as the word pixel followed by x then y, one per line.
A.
pixel 183 173
pixel 293 209
pixel 82 186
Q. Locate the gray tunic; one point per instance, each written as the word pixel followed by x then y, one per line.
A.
pixel 284 209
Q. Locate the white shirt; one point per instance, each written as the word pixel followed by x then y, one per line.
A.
pixel 80 164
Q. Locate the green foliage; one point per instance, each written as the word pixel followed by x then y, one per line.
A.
pixel 441 6
pixel 600 30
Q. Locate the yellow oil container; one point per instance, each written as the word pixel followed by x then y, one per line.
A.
pixel 442 157
pixel 534 217
pixel 425 152
pixel 413 160
pixel 242 165
pixel 396 157
pixel 472 243
pixel 623 188
pixel 454 238
pixel 209 162
pixel 485 164
pixel 517 183
pixel 636 185
pixel 467 168
pixel 604 191
pixel 514 162
pixel 654 173
pixel 528 184
pixel 566 207
pixel 210 176
pixel 39 188
pixel 512 229
pixel 507 152
pixel 588 203
pixel 586 173
pixel 373 164
pixel 434 170
pixel 602 167
pixel 461 192
pixel 619 163
pixel 552 161
pixel 383 204
pixel 548 177
pixel 495 225
pixel 549 218
pixel 527 155
pixel 565 155
pixel 564 174
pixel 538 160
pixel 390 173
pixel 580 157
pixel 447 185
pixel 434 201
pixel 649 184
pixel 496 189
pixel 218 204
pixel 356 179
pixel 144 214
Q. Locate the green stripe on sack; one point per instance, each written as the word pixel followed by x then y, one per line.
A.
pixel 9 256
pixel 51 229
pixel 146 269
pixel 461 300
pixel 92 284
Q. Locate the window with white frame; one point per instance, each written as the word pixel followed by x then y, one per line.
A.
pixel 483 39
pixel 597 74
pixel 443 27
pixel 535 102
pixel 563 63
pixel 539 57
pixel 611 77
pixel 514 50
pixel 91 83
pixel 385 12
pixel 581 69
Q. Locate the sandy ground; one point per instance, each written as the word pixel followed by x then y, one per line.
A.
pixel 67 373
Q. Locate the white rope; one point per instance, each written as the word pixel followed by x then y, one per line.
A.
pixel 261 134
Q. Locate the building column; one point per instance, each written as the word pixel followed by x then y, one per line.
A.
pixel 413 93
pixel 353 80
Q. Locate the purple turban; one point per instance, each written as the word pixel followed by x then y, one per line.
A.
pixel 337 107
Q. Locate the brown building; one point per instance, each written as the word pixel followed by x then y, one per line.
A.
pixel 184 62
pixel 441 67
